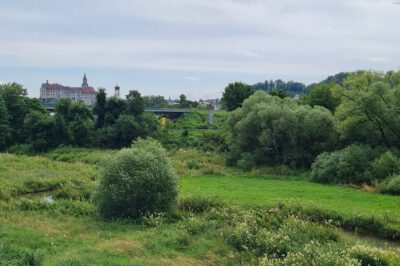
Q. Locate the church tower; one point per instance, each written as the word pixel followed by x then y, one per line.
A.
pixel 84 82
pixel 117 91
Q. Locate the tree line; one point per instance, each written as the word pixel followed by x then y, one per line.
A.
pixel 347 128
pixel 113 122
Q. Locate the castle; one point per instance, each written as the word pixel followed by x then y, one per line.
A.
pixel 51 93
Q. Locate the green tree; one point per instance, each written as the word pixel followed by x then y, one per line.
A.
pixel 63 108
pixel 134 103
pixel 39 128
pixel 14 96
pixel 73 123
pixel 81 130
pixel 149 125
pixel 100 107
pixel 183 102
pixel 235 94
pixel 271 130
pixel 369 110
pixel 5 130
pixel 34 104
pixel 279 93
pixel 324 95
pixel 114 108
pixel 81 111
pixel 127 129
pixel 62 131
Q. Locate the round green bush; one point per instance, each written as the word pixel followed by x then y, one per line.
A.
pixel 351 165
pixel 137 181
pixel 386 165
pixel 325 168
pixel 390 185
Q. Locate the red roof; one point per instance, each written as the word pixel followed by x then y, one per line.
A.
pixel 56 86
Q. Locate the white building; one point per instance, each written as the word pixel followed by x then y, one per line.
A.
pixel 51 93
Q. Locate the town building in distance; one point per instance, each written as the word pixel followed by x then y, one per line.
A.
pixel 51 93
pixel 213 104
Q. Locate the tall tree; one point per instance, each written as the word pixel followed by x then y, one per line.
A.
pixel 369 111
pixel 100 107
pixel 324 95
pixel 40 131
pixel 183 102
pixel 5 130
pixel 13 95
pixel 235 94
pixel 114 108
pixel 134 103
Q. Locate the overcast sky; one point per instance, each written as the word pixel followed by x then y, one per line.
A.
pixel 195 47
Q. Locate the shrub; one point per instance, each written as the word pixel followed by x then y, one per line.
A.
pixel 351 165
pixel 10 255
pixel 373 256
pixel 325 168
pixel 199 204
pixel 390 186
pixel 192 164
pixel 137 181
pixel 21 149
pixel 385 165
pixel 355 164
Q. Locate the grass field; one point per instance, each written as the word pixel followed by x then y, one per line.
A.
pixel 69 233
pixel 252 191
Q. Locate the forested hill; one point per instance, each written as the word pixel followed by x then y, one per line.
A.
pixel 294 87
pixel 290 87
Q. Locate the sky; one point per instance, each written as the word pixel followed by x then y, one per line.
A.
pixel 194 47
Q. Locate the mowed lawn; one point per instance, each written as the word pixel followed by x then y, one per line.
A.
pixel 251 191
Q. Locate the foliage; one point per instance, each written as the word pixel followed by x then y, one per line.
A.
pixel 275 237
pixel 324 95
pixel 270 130
pixel 114 108
pixel 290 87
pixel 203 140
pixel 99 108
pixel 199 204
pixel 11 255
pixel 21 149
pixel 137 181
pixel 369 110
pixel 126 130
pixel 40 131
pixel 5 129
pixel 390 185
pixel 79 155
pixel 134 103
pixel 279 93
pixel 351 165
pixel 14 96
pixel 386 165
pixel 234 95
pixel 154 101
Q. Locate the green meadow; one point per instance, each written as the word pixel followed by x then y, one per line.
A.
pixel 215 203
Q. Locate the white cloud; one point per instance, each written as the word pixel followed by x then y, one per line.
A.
pixel 249 36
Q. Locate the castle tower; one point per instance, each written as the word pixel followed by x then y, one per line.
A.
pixel 84 82
pixel 117 91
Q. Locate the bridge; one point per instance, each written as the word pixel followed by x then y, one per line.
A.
pixel 171 114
